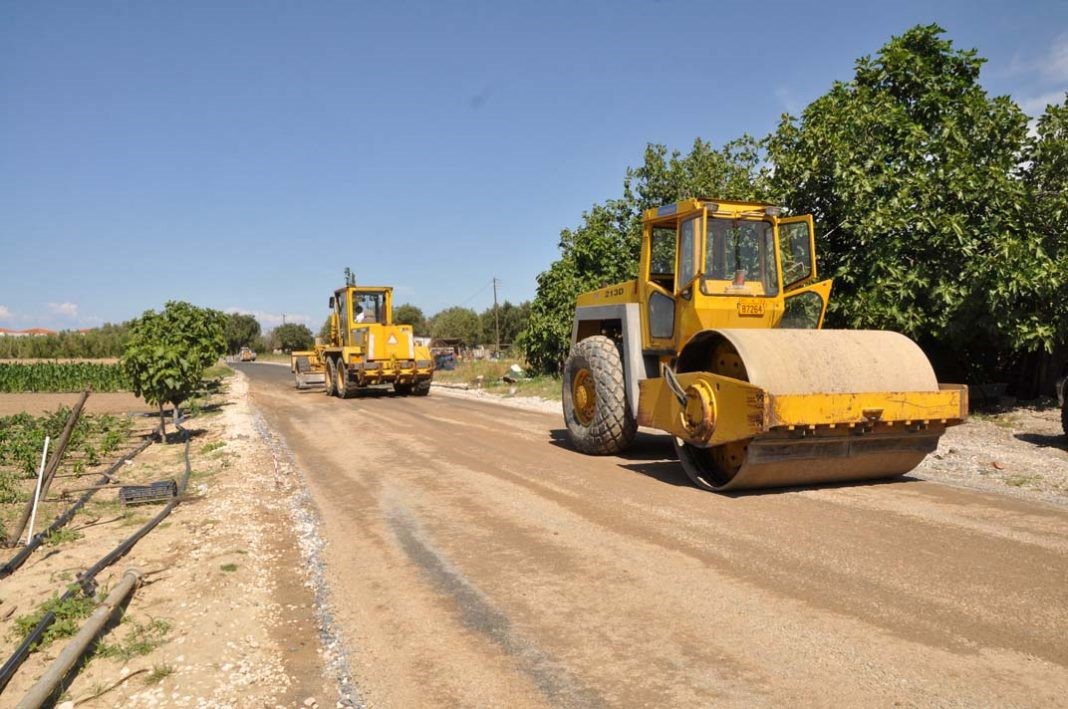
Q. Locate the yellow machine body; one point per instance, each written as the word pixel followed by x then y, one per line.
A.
pixel 720 342
pixel 365 347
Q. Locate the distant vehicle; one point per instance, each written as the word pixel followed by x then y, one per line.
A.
pixel 247 355
pixel 445 361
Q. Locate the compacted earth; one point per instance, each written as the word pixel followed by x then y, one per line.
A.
pixel 455 550
pixel 471 557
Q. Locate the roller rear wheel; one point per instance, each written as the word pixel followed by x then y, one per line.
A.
pixel 598 417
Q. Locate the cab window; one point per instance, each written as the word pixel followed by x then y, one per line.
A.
pixel 662 257
pixel 796 246
pixel 687 253
pixel 740 258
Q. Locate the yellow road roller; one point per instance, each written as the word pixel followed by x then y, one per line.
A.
pixel 718 342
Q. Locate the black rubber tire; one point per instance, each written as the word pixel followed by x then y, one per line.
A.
pixel 402 389
pixel 612 427
pixel 421 388
pixel 331 383
pixel 342 385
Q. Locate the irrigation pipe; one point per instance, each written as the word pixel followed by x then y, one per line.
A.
pixel 53 465
pixel 20 558
pixel 86 579
pixel 45 687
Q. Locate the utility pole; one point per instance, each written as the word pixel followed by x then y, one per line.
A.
pixel 496 317
pixel 283 318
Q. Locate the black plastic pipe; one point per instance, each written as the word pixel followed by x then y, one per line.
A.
pixel 20 558
pixel 86 580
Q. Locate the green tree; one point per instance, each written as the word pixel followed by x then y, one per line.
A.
pixel 457 323
pixel 1045 175
pixel 909 170
pixel 292 336
pixel 512 318
pixel 167 352
pixel 324 331
pixel 408 314
pixel 605 247
pixel 241 331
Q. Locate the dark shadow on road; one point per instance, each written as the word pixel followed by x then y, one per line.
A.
pixel 653 455
pixel 902 480
pixel 1044 440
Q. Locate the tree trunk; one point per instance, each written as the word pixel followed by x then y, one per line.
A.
pixel 162 425
pixel 177 415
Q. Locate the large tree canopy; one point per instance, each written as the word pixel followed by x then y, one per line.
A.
pixel 1046 177
pixel 911 171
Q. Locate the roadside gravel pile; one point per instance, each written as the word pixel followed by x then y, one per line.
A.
pixel 1020 451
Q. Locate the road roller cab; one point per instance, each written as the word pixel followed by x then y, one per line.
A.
pixel 718 342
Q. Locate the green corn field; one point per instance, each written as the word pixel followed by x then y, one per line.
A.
pixel 62 377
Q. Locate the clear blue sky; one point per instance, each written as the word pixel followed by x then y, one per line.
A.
pixel 240 155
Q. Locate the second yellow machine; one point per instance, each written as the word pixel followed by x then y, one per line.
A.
pixel 366 348
pixel 717 342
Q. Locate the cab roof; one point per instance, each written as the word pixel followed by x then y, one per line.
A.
pixel 363 289
pixel 728 207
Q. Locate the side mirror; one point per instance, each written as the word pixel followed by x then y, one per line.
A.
pixel 331 306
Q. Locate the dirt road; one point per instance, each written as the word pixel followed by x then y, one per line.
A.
pixel 474 559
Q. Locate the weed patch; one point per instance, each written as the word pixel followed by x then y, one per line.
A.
pixel 158 674
pixel 68 614
pixel 139 641
pixel 62 536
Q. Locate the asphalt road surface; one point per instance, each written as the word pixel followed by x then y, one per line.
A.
pixel 475 559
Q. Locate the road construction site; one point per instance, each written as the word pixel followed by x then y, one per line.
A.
pixel 470 556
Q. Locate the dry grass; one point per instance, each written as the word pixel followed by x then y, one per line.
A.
pixel 491 372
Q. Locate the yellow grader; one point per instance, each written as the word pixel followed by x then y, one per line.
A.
pixel 365 348
pixel 718 342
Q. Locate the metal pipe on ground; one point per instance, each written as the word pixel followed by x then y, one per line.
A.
pixel 19 559
pixel 53 465
pixel 85 580
pixel 42 691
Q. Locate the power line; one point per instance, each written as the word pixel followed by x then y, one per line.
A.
pixel 478 293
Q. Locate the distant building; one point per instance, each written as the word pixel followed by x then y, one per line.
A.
pixel 32 332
